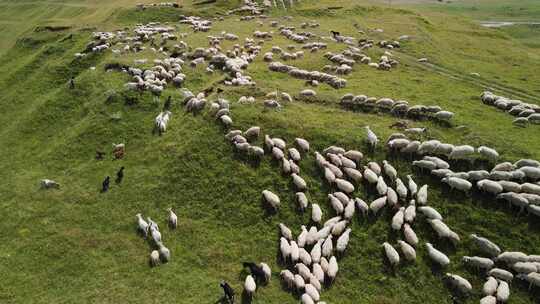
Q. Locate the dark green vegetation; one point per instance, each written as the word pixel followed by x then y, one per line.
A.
pixel 76 245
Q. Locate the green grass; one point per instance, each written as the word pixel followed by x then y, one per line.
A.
pixel 76 245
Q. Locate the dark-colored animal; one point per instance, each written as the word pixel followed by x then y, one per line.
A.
pixel 208 91
pixel 100 155
pixel 228 291
pixel 71 83
pixel 256 271
pixel 168 104
pixel 335 34
pixel 120 175
pixel 105 184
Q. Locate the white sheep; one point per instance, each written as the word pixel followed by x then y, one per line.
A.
pixel 288 277
pixel 299 282
pixel 512 257
pixel 343 241
pixel 271 199
pixel 478 262
pixel 410 212
pixel 489 153
pixel 173 219
pixel 316 252
pixel 333 268
pixel 461 152
pixel 437 256
pixel 501 275
pixel 490 286
pixel 413 187
pixel 486 246
pixel 459 283
pixel 457 183
pixel 422 195
pixel 312 292
pixel 302 144
pixel 503 292
pixel 164 253
pixel 48 184
pixel 295 252
pixel 381 187
pixel 249 285
pixel 408 251
pixel 398 219
pixel 401 189
pixel 371 138
pixel 299 182
pixel 302 200
pixel 154 258
pixel 306 299
pixel 142 225
pixel 327 247
pixel 489 186
pixel 377 204
pixel 410 235
pixel 391 254
pixel 285 248
pixel 362 206
pixel 285 231
pixel 430 213
pixel 344 185
pixel 389 170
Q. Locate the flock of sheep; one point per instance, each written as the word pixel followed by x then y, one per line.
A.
pixel 310 258
pixel 525 112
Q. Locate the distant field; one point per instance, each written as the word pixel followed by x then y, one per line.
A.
pixel 76 245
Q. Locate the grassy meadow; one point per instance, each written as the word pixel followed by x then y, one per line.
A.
pixel 77 245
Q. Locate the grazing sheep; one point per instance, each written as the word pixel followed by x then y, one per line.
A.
pixel 288 278
pixel 299 182
pixel 142 225
pixel 486 246
pixel 252 132
pixel 312 292
pixel 316 213
pixel 154 258
pixel 422 195
pixel 488 153
pixel 479 262
pixel 373 166
pixel 489 186
pixel 344 185
pixel 294 154
pixel 413 187
pixel 490 286
pixel 389 170
pixel 164 253
pixel 410 212
pixel 459 283
pixel 271 199
pixel 503 292
pixel 461 152
pixel 327 247
pixel 302 144
pixel 362 206
pixel 410 235
pixel 343 241
pixel 401 190
pixel 370 176
pixel 457 183
pixel 302 200
pixel 284 248
pixel 285 231
pixel 391 254
pixel 501 275
pixel 316 252
pixel 437 256
pixel 408 251
pixel 430 213
pixel 349 210
pixel 249 285
pixel 512 257
pixel 333 268
pixel 377 205
pixel 173 219
pixel 398 219
pixel 299 282
pixel 306 299
pixel 532 278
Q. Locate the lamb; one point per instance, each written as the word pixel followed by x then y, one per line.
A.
pixel 437 256
pixel 408 251
pixel 271 199
pixel 391 254
pixel 459 283
pixel 371 138
pixel 249 285
pixel 486 246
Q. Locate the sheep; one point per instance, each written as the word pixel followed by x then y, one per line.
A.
pixel 316 252
pixel 316 213
pixel 373 166
pixel 478 175
pixel 532 173
pixel 295 252
pixel 486 246
pixel 277 153
pixel 459 283
pixel 501 274
pixel 489 186
pixel 503 292
pixel 425 164
pixel 318 272
pixel 362 206
pixel 305 257
pixel 284 248
pixel 142 225
pixel 489 153
pixel 371 138
pixel 348 211
pixel 506 166
pixel 155 234
pixel 410 212
pixel 343 241
pixel 410 235
pixel 327 247
pixel 299 182
pixel 398 219
pixel 271 199
pixel 478 262
pixel 294 154
pixel 437 256
pixel 401 190
pixel 49 184
pixel 430 213
pixel 391 254
pixel 285 231
pixel 154 258
pixel 302 144
pixel 525 267
pixel 530 188
pixel 488 300
pixel 527 163
pixel 339 227
pixel 490 286
pixel 377 204
pixel 333 268
pixel 302 270
pixel 226 120
pixel 344 185
pixel 173 219
pixel 306 299
pixel 389 170
pixel 413 187
pixel 461 152
pixel 336 204
pixel 532 278
pixel 457 183
pixel 256 152
pixel 249 285
pixel 353 174
pixel 421 196
pixel 354 155
pixel 512 257
pixel 299 282
pixel 288 277
pixel 312 292
pixel 370 176
pixel 428 147
pixel 164 253
pixel 253 132
pixel 399 144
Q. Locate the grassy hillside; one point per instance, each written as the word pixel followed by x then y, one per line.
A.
pixel 77 245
